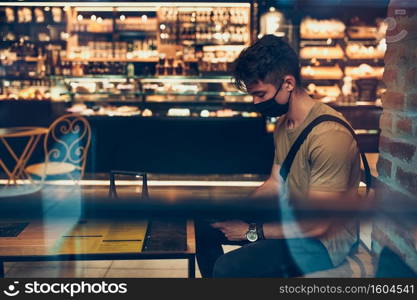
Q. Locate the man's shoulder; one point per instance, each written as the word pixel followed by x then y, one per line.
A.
pixel 324 109
pixel 329 127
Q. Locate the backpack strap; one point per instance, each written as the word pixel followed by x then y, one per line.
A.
pixel 287 163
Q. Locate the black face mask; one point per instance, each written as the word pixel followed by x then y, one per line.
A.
pixel 270 108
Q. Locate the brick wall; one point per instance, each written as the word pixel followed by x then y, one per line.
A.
pixel 397 165
pixel 398 144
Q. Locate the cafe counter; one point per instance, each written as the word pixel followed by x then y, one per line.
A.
pixel 192 144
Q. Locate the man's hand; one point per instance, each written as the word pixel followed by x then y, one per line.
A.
pixel 233 230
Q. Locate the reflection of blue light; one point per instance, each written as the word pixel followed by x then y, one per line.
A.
pixel 68 200
pixel 63 203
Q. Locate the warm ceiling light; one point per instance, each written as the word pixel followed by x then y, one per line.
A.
pixel 90 9
pixel 126 4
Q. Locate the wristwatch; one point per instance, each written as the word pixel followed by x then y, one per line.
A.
pixel 252 233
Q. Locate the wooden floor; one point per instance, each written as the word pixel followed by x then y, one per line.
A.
pixel 174 268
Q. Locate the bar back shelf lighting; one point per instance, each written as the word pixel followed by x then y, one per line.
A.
pixel 98 6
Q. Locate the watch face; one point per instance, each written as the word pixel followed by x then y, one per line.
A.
pixel 252 236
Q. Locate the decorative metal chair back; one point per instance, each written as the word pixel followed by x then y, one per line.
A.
pixel 66 146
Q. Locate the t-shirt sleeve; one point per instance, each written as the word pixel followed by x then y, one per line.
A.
pixel 333 155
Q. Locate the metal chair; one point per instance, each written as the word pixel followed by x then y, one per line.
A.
pixel 66 146
pixel 112 186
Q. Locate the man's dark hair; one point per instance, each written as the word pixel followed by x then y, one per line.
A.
pixel 268 60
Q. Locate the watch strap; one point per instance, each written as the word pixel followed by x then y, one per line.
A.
pixel 260 231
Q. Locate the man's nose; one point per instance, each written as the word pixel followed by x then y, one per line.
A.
pixel 256 100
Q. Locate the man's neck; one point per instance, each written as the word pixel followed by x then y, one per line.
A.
pixel 300 105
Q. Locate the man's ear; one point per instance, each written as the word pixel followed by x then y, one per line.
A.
pixel 289 83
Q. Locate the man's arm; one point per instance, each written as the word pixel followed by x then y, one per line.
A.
pixel 270 187
pixel 305 229
pixel 316 201
pixel 235 230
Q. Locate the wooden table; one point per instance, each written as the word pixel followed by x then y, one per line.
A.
pixel 164 239
pixel 32 135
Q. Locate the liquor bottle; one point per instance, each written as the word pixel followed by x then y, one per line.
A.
pixel 130 70
pixel 57 14
pixel 78 70
pixel 130 49
pixel 40 65
pixel 10 15
pixel 58 64
pixel 67 69
pixel 122 69
pixel 48 62
pixel 39 15
pixel 170 66
pixel 179 69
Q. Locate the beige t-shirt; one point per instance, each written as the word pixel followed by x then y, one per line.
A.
pixel 328 160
